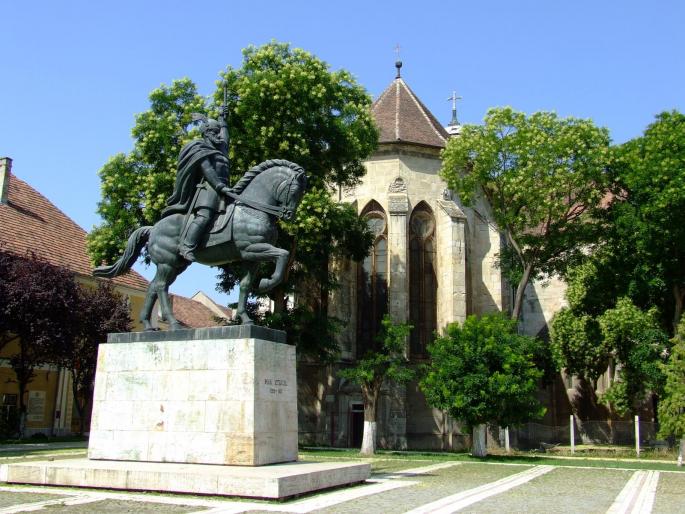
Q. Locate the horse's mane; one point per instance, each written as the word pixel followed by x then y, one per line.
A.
pixel 250 174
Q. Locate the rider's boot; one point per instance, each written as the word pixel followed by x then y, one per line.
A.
pixel 193 235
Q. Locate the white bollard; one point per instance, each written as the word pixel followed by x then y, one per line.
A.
pixel 573 434
pixel 637 436
pixel 506 439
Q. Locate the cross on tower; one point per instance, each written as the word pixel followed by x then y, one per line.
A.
pixel 398 63
pixel 454 99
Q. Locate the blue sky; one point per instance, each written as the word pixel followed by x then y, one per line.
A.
pixel 74 74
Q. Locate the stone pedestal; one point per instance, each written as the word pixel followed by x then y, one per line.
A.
pixel 221 395
pixel 168 405
pixel 278 481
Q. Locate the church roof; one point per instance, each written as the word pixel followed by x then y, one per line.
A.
pixel 29 222
pixel 402 118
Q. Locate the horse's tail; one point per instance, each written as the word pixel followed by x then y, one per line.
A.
pixel 133 247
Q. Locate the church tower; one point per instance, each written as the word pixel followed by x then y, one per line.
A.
pixel 430 264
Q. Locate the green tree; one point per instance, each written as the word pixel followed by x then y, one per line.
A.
pixel 672 406
pixel 623 337
pixel 484 372
pixel 385 361
pixel 639 346
pixel 577 344
pixel 650 184
pixel 543 177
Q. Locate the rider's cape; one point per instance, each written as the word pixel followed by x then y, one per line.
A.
pixel 189 175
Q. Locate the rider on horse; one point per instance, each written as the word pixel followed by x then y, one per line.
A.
pixel 201 181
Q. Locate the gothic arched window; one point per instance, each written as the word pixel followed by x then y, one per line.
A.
pixel 373 280
pixel 423 284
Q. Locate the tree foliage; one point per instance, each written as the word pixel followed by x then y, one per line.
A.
pixel 672 406
pixel 650 186
pixel 544 178
pixel 484 372
pixel 39 302
pixel 385 360
pixel 627 336
pixel 55 321
pixel 631 285
pixel 639 346
pixel 285 102
pixel 135 186
pixel 577 344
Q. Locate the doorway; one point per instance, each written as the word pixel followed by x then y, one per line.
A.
pixel 356 425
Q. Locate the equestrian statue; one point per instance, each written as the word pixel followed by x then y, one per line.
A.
pixel 208 222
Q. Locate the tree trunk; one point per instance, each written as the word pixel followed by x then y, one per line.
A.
pixel 80 407
pixel 520 289
pixel 22 407
pixel 678 296
pixel 370 395
pixel 479 446
pixel 278 297
pixel 681 452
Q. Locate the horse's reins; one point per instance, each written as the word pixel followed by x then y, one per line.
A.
pixel 280 212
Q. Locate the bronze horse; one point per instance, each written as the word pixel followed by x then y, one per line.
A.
pixel 245 232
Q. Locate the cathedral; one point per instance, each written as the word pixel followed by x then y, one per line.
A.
pixel 433 262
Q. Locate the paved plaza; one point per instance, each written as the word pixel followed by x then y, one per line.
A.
pixel 412 485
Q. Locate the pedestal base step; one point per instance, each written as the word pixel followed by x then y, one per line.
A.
pixel 276 481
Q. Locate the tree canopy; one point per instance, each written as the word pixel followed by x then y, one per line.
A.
pixel 624 335
pixel 543 176
pixel 672 406
pixel 484 372
pixel 650 186
pixel 626 296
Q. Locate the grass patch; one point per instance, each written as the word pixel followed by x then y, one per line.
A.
pixel 45 439
pixel 41 454
pixel 520 458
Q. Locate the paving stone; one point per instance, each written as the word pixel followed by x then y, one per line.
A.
pixel 670 494
pixel 561 490
pixel 431 487
pixel 7 499
pixel 121 506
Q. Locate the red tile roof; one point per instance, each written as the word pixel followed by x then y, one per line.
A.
pixel 402 118
pixel 193 314
pixel 29 222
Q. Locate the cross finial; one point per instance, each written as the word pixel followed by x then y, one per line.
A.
pixel 454 99
pixel 398 63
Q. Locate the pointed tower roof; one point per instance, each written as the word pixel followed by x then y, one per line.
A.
pixel 402 118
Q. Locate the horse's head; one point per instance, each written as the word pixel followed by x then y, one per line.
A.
pixel 275 182
pixel 289 192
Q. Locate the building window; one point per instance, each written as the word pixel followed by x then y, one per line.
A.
pixel 423 284
pixel 373 280
pixel 8 409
